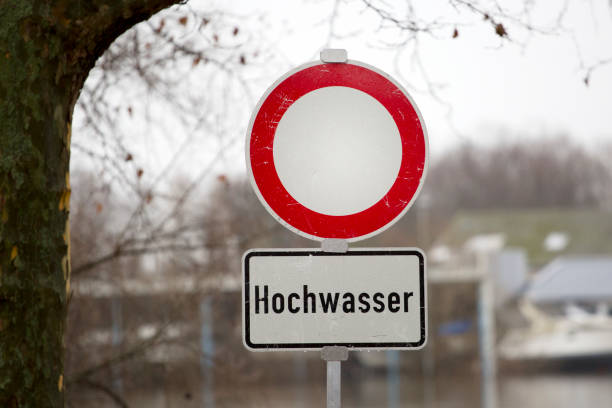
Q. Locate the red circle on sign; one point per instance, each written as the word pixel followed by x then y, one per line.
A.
pixel 276 198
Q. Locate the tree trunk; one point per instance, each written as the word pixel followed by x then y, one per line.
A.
pixel 46 51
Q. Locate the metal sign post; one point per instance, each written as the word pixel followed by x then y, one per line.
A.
pixel 334 356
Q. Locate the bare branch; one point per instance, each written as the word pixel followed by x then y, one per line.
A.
pixel 117 399
pixel 119 358
pixel 592 68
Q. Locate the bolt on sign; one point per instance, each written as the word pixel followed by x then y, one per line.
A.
pixel 336 151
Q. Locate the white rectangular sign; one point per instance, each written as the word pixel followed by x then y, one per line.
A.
pixel 308 299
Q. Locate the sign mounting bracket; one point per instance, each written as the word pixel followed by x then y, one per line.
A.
pixel 334 55
pixel 334 245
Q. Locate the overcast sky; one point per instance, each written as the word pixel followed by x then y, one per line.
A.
pixel 479 87
pixel 532 85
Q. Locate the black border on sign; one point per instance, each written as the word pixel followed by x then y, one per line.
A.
pixel 315 346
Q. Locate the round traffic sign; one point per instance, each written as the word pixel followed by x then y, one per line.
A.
pixel 336 150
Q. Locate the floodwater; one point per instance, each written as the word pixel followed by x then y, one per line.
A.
pixel 532 391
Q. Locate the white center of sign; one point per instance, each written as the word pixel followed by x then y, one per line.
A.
pixel 337 150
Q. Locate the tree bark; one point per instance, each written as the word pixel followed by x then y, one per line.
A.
pixel 46 51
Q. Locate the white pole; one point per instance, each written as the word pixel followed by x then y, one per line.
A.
pixel 334 390
pixel 486 311
pixel 334 355
pixel 393 378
